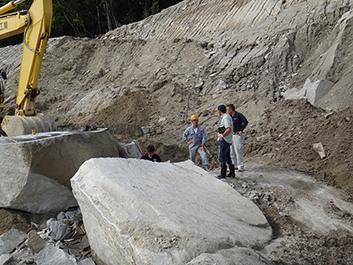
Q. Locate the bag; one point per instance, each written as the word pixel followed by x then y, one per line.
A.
pixel 221 129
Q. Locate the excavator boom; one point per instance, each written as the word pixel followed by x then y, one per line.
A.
pixel 35 24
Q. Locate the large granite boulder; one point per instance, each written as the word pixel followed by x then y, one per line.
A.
pixel 35 170
pixel 141 212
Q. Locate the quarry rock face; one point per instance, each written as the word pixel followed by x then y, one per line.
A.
pixel 276 49
pixel 35 170
pixel 268 48
pixel 141 212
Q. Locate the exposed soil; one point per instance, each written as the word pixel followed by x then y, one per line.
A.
pixel 13 220
pixel 302 213
pixel 127 114
pixel 289 131
pixel 284 137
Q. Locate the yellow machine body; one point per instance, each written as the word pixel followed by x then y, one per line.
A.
pixel 35 24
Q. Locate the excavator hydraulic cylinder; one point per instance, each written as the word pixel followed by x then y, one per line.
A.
pixel 9 6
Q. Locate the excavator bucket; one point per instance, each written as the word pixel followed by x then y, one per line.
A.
pixel 20 125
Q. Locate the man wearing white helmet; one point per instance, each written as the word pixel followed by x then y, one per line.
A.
pixel 195 137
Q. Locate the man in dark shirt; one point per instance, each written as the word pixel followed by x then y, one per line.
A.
pixel 239 124
pixel 151 155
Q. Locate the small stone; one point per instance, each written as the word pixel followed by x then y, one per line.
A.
pixel 319 149
pixel 59 230
pixel 61 216
pixel 166 244
pixel 35 242
pixel 329 114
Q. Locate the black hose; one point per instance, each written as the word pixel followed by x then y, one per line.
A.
pixel 25 34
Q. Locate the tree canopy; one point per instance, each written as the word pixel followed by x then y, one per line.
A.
pixel 89 18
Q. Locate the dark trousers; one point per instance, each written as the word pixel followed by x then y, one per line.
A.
pixel 224 153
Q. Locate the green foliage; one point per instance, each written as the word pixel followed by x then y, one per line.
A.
pixel 89 18
pixel 154 7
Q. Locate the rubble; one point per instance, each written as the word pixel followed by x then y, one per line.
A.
pixel 71 247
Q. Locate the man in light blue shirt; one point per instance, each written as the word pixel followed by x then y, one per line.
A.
pixel 225 141
pixel 197 140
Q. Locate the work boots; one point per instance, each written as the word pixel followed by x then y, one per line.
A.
pixel 223 172
pixel 231 172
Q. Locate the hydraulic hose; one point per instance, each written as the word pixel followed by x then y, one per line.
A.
pixel 17 2
pixel 25 34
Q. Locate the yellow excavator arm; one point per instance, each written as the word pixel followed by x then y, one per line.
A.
pixel 35 24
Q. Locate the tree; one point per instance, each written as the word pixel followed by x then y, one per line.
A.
pixel 88 18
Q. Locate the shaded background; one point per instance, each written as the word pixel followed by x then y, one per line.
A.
pixel 89 18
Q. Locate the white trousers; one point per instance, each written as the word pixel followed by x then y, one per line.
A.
pixel 236 150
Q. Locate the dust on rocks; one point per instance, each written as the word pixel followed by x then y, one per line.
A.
pixel 63 232
pixel 293 127
pixel 300 234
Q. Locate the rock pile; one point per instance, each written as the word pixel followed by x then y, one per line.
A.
pixel 62 240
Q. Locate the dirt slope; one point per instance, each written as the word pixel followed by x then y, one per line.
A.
pixel 291 128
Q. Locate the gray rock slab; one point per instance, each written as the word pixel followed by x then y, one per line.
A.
pixel 35 170
pixel 313 91
pixel 5 258
pixel 10 240
pixel 51 255
pixel 88 261
pixel 239 256
pixel 58 229
pixel 130 150
pixel 140 212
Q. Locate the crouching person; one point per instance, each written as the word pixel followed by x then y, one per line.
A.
pixel 151 155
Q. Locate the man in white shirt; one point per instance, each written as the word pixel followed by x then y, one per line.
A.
pixel 225 141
